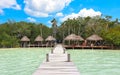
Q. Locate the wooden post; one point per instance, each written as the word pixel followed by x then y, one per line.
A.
pixel 68 57
pixel 52 51
pixel 112 46
pixel 64 51
pixel 47 57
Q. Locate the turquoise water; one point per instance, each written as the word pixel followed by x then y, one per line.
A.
pixel 21 61
pixel 24 61
pixel 97 62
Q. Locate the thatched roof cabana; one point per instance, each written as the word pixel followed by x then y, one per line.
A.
pixel 50 38
pixel 25 39
pixel 38 39
pixel 79 38
pixel 94 37
pixel 70 37
pixel 73 37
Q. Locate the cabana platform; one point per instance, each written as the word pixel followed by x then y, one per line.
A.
pixel 43 45
pixel 89 43
pixel 86 47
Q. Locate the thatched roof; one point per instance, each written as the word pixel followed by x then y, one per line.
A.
pixel 94 37
pixel 73 37
pixel 25 38
pixel 38 38
pixel 70 37
pixel 79 38
pixel 50 38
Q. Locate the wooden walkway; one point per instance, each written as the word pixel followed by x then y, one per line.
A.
pixel 57 63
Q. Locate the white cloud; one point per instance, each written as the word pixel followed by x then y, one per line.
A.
pixel 83 13
pixel 59 14
pixel 90 12
pixel 8 4
pixel 31 19
pixel 71 16
pixel 42 8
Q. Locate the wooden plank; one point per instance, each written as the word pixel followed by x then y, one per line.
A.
pixel 57 64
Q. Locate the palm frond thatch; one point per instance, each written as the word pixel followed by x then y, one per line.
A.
pixel 74 37
pixel 38 38
pixel 25 38
pixel 94 37
pixel 50 38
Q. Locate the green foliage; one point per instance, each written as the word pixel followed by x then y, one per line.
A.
pixel 11 32
pixel 113 35
pixel 109 30
pixel 8 41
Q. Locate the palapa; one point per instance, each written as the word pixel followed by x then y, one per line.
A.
pixel 79 38
pixel 38 38
pixel 94 37
pixel 50 38
pixel 73 37
pixel 25 38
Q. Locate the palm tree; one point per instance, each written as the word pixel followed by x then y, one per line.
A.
pixel 54 26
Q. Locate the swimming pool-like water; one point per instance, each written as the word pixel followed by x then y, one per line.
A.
pixel 21 61
pixel 97 62
pixel 24 61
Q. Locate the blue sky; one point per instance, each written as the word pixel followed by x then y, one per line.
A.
pixel 43 11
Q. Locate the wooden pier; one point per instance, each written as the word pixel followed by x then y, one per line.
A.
pixel 57 63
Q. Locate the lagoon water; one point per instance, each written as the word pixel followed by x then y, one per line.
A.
pixel 21 61
pixel 97 62
pixel 24 61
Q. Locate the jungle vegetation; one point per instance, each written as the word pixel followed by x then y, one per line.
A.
pixel 11 32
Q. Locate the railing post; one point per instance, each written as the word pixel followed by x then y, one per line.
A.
pixel 47 57
pixel 64 50
pixel 52 51
pixel 68 57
